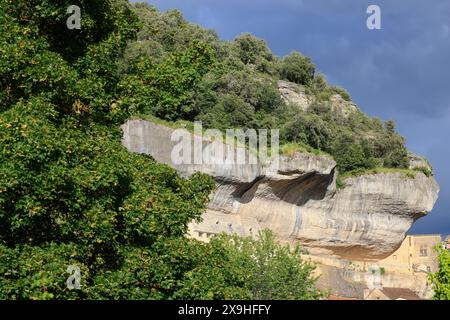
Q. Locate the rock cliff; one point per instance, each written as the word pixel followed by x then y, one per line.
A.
pixel 298 198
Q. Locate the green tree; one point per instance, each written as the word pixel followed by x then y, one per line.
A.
pixel 309 129
pixel 169 29
pixel 69 192
pixel 351 155
pixel 251 49
pixel 297 68
pixel 342 92
pixel 320 83
pixel 441 279
pixel 80 192
pixel 390 126
pixel 166 89
pixel 264 270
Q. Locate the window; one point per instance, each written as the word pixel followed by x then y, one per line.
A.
pixel 428 269
pixel 423 251
pixel 395 257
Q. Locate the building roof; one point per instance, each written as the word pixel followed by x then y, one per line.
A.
pixel 332 297
pixel 400 293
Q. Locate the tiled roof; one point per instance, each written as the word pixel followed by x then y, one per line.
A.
pixel 331 297
pixel 400 293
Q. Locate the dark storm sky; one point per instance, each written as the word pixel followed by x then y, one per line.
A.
pixel 400 72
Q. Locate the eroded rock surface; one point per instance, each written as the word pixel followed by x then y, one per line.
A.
pixel 294 94
pixel 298 199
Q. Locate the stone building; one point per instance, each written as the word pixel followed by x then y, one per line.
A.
pixel 407 268
pixel 416 254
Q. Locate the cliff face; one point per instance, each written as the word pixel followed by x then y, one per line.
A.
pixel 298 199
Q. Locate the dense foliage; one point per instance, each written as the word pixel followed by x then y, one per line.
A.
pixel 264 269
pixel 70 194
pixel 297 68
pixel 441 279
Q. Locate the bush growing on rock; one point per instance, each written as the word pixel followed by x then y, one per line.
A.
pixel 252 50
pixel 297 68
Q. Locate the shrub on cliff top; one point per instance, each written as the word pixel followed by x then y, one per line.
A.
pixel 297 68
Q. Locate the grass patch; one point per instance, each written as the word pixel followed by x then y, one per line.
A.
pixel 425 171
pixel 189 126
pixel 180 124
pixel 340 183
pixel 408 173
pixel 342 92
pixel 289 149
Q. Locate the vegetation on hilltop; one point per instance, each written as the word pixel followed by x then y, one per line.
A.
pixel 235 84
